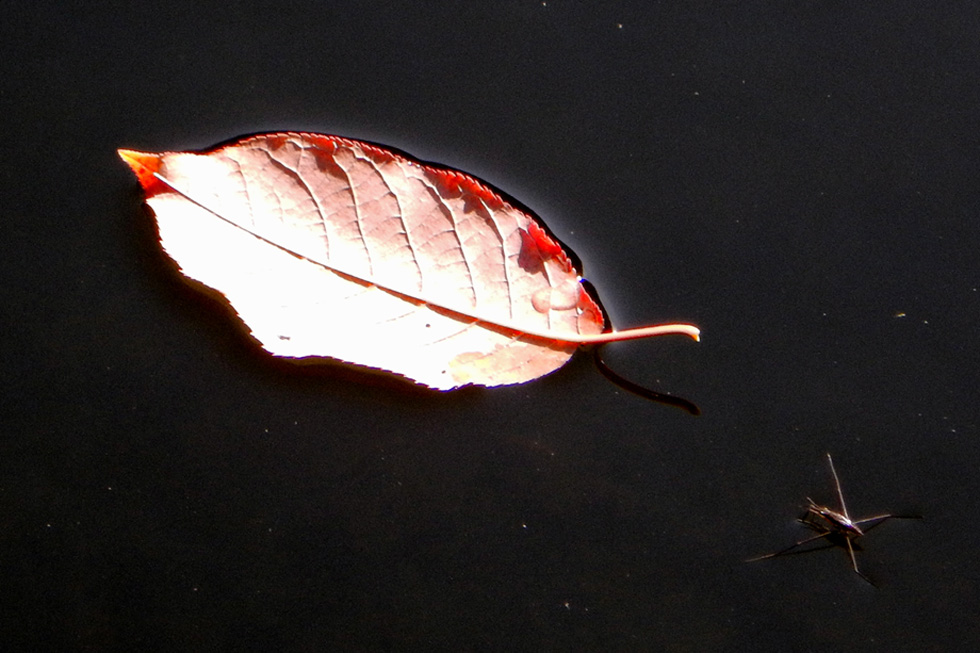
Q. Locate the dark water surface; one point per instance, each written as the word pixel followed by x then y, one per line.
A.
pixel 801 183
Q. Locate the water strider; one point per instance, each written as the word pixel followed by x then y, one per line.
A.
pixel 836 526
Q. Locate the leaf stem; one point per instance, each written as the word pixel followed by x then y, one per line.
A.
pixel 641 332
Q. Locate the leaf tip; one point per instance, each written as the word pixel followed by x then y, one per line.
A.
pixel 144 164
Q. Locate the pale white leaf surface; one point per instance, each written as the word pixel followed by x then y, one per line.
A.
pixel 330 247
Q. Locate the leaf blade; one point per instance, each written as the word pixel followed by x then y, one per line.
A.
pixel 449 282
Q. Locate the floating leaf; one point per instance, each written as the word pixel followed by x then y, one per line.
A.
pixel 331 247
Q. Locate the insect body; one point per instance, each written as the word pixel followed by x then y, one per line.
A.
pixel 822 518
pixel 836 526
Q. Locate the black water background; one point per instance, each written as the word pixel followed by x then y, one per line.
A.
pixel 801 182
